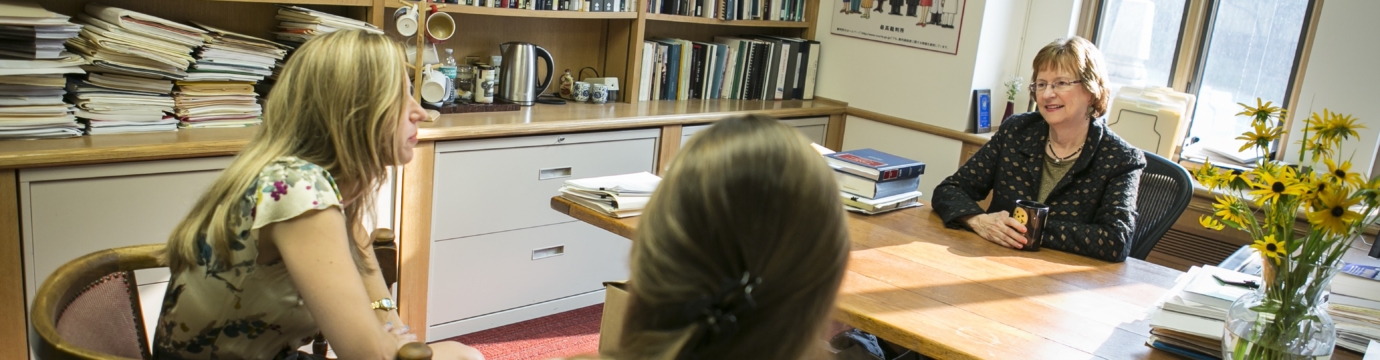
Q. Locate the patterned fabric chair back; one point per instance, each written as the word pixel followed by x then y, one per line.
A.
pixel 89 308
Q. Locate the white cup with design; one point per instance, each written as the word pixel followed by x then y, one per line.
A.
pixel 405 20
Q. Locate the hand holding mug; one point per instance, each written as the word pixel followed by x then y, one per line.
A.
pixel 999 228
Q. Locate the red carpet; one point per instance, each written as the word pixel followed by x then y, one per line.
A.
pixel 569 333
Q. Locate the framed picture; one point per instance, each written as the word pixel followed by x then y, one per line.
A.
pixel 926 24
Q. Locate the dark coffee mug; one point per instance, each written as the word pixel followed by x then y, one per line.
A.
pixel 1032 215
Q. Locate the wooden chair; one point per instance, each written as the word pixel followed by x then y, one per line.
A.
pixel 89 309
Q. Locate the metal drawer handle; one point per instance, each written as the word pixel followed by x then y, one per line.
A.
pixel 539 254
pixel 553 173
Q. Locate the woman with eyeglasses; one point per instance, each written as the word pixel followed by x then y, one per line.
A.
pixel 1062 155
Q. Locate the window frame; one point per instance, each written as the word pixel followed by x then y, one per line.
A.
pixel 1194 38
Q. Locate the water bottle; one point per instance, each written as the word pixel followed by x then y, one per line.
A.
pixel 449 68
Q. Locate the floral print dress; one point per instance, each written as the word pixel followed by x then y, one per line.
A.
pixel 248 310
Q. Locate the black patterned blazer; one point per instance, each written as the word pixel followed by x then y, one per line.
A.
pixel 1092 209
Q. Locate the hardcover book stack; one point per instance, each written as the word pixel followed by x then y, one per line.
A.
pixel 134 59
pixel 32 65
pixel 618 196
pixel 747 67
pixel 873 182
pixel 219 89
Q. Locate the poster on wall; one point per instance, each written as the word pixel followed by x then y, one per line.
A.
pixel 926 24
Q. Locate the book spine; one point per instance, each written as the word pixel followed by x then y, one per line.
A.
pixel 900 173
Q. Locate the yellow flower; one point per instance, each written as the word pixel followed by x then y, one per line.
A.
pixel 1271 186
pixel 1335 215
pixel 1209 223
pixel 1226 207
pixel 1315 187
pixel 1341 174
pixel 1342 126
pixel 1260 113
pixel 1270 248
pixel 1207 173
pixel 1261 137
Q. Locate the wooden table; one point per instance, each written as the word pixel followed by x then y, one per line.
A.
pixel 950 294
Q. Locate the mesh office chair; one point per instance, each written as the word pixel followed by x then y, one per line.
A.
pixel 1165 190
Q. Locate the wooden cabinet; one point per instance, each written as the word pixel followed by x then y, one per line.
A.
pixel 814 129
pixel 498 255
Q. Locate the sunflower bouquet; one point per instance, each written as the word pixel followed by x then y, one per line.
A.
pixel 1285 318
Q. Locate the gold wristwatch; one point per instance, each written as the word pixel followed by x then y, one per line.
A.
pixel 384 304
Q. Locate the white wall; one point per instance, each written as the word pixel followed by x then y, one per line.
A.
pixel 940 154
pixel 1342 77
pixel 901 81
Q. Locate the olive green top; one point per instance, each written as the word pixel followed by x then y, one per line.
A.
pixel 1051 175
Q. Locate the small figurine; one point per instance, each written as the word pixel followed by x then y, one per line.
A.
pixel 566 82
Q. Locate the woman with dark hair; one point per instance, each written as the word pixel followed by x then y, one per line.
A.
pixel 741 251
pixel 1062 155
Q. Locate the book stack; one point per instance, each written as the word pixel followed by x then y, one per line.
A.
pixel 219 89
pixel 134 59
pixel 873 182
pixel 618 196
pixel 747 67
pixel 1354 303
pixel 32 65
pixel 1190 320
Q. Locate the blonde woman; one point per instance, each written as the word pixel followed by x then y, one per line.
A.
pixel 273 252
pixel 740 252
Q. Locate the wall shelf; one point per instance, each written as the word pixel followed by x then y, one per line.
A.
pixel 309 2
pixel 548 14
pixel 744 23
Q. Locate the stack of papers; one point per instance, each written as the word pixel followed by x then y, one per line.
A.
pixel 219 89
pixel 1354 303
pixel 618 196
pixel 133 56
pixel 32 65
pixel 301 24
pixel 1191 319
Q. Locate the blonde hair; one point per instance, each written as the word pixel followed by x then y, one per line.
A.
pixel 748 195
pixel 1077 56
pixel 336 105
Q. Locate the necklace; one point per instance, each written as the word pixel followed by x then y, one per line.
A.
pixel 1058 159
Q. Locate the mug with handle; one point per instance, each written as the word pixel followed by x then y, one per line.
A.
pixel 439 26
pixel 433 86
pixel 405 20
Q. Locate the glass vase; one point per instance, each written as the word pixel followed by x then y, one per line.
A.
pixel 1284 319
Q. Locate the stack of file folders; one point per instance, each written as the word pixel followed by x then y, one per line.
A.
pixel 219 88
pixel 134 59
pixel 873 182
pixel 32 65
pixel 298 24
pixel 618 196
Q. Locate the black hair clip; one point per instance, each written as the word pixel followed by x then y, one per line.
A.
pixel 733 298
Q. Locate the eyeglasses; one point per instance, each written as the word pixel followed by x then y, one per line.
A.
pixel 1058 86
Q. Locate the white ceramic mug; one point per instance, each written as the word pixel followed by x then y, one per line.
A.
pixel 439 27
pixel 433 86
pixel 405 20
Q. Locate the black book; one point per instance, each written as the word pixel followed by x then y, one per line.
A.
pixel 697 70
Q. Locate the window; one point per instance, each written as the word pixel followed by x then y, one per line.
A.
pixel 1223 51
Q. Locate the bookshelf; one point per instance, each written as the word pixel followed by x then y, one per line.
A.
pixel 739 23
